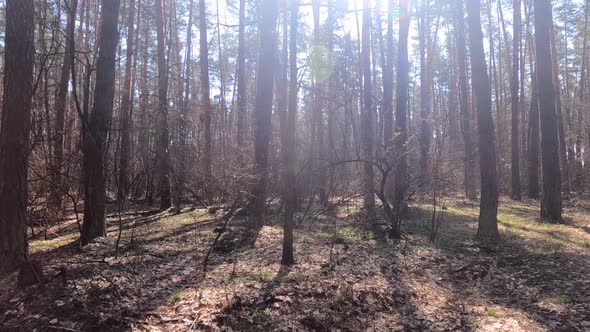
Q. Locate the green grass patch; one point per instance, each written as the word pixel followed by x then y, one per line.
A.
pixel 256 276
pixel 46 245
pixel 560 299
pixel 493 313
pixel 177 296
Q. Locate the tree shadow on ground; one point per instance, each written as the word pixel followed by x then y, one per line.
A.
pixel 514 274
pixel 96 291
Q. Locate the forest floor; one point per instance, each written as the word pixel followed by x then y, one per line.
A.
pixel 347 278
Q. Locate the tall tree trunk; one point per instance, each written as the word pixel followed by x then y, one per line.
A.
pixel 242 98
pixel 60 107
pixel 184 116
pixel 514 91
pixel 534 138
pixel 469 154
pixel 126 108
pixel 289 161
pixel 558 106
pixel 263 107
pixel 425 130
pixel 206 100
pixel 162 142
pixel 14 131
pixel 551 200
pixel 401 110
pixel 388 135
pixel 488 210
pixel 144 124
pixel 98 124
pixel 367 139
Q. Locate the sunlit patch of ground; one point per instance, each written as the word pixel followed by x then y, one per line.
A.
pixel 348 276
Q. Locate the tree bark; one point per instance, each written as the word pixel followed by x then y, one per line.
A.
pixel 60 106
pixel 514 91
pixel 126 108
pixel 162 142
pixel 289 161
pixel 551 199
pixel 388 136
pixel 14 132
pixel 367 115
pixel 488 210
pixel 242 97
pixel 205 97
pixel 401 110
pixel 98 125
pixel 425 129
pixel 263 107
pixel 469 154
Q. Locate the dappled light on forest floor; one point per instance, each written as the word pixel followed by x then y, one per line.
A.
pixel 347 276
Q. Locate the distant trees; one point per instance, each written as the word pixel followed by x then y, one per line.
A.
pixel 15 125
pixel 488 210
pixel 200 127
pixel 97 124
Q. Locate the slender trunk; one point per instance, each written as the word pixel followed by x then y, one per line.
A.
pixel 241 63
pixel 401 110
pixel 388 135
pixel 205 97
pixel 367 115
pixel 469 154
pixel 289 161
pixel 488 210
pixel 60 106
pixel 425 130
pixel 126 106
pixel 263 109
pixel 558 108
pixel 514 90
pixel 98 124
pixel 162 142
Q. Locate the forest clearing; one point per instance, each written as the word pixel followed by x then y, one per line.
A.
pixel 348 276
